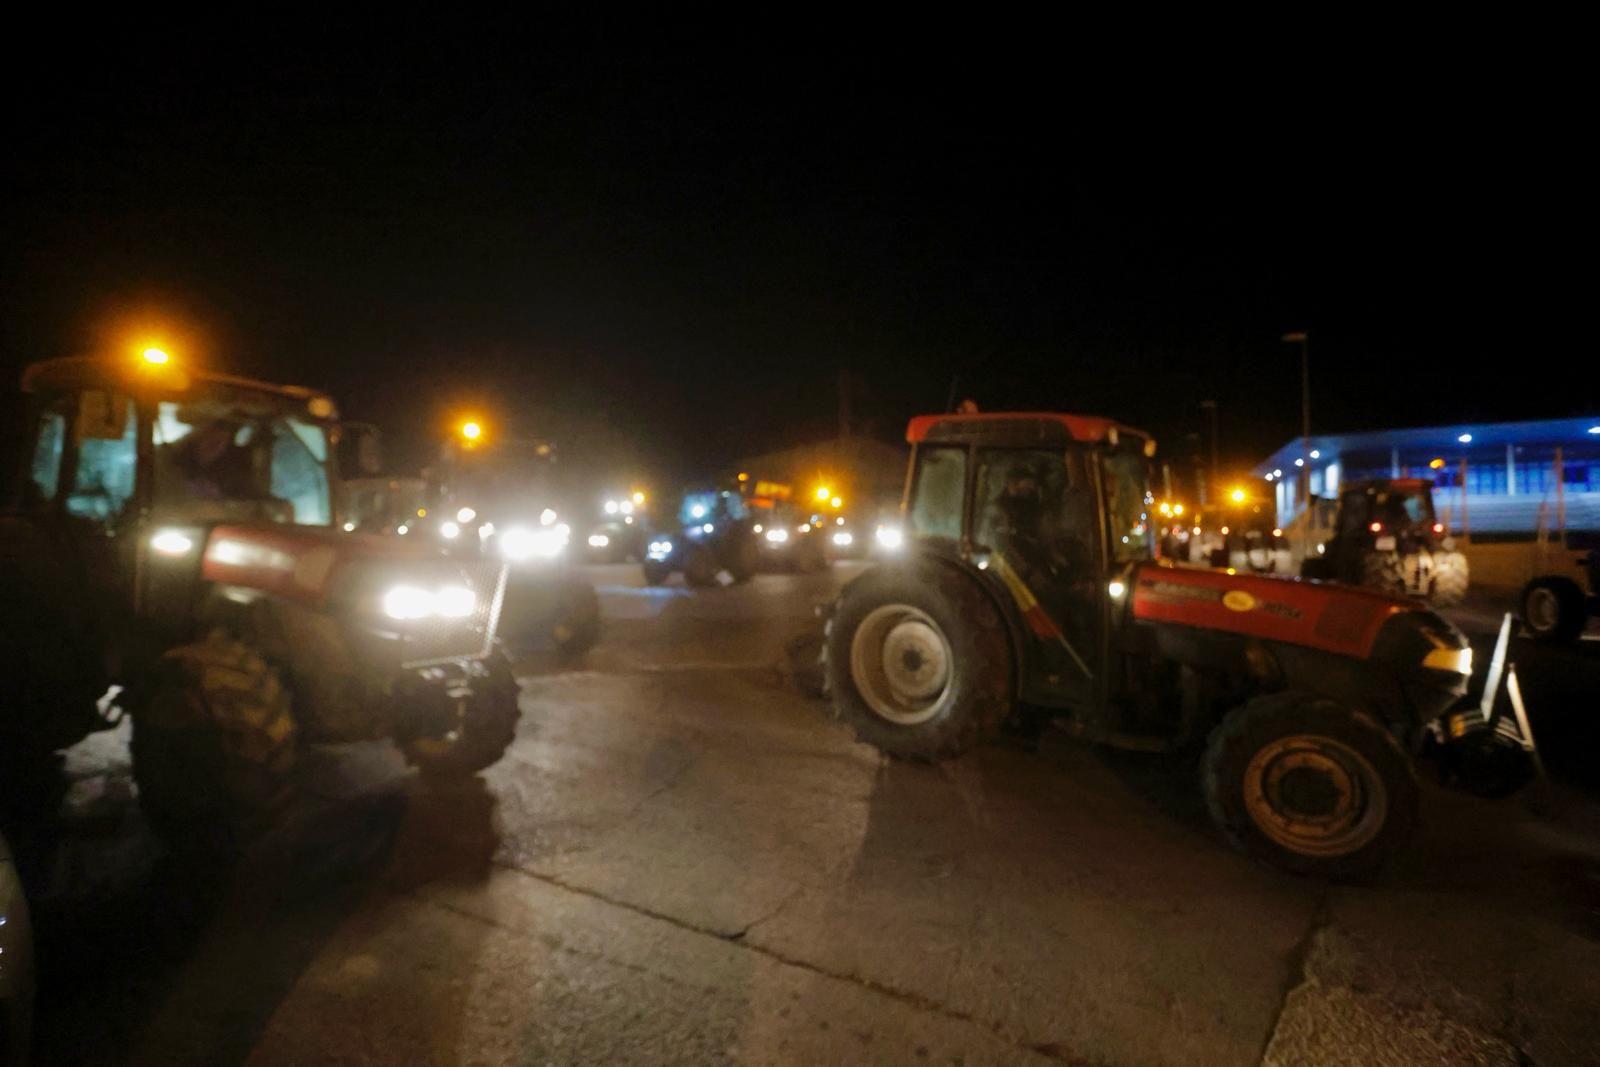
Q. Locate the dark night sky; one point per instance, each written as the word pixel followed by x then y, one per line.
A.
pixel 694 245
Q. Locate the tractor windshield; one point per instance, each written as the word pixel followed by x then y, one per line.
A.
pixel 237 455
pixel 1128 503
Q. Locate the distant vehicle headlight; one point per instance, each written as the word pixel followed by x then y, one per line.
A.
pixel 547 517
pixel 598 540
pixel 449 530
pixel 890 537
pixel 777 535
pixel 659 550
pixel 698 511
pixel 466 515
pixel 611 507
pixel 843 538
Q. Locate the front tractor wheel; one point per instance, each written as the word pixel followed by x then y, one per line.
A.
pixel 919 662
pixel 1554 609
pixel 475 730
pixel 214 746
pixel 1310 786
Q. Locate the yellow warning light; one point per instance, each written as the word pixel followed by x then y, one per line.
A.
pixel 1436 463
pixel 1237 496
pixel 156 357
pixel 638 497
pixel 471 430
pixel 1177 509
pixel 823 492
pixel 744 476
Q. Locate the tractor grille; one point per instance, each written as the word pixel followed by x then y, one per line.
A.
pixel 436 640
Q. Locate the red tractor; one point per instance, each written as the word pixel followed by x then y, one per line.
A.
pixel 176 551
pixel 1030 588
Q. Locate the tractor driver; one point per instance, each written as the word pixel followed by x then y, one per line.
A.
pixel 1047 545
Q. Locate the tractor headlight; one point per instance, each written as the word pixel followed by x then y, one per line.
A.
pixel 171 542
pixel 599 541
pixel 890 538
pixel 466 515
pixel 844 538
pixel 659 550
pixel 408 603
pixel 777 535
pixel 449 530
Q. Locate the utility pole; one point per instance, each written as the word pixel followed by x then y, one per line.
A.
pixel 1211 475
pixel 844 403
pixel 1304 341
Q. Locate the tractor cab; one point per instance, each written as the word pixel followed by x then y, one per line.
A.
pixel 1053 511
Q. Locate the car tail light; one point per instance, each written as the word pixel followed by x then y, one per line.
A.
pixel 1376 527
pixel 1438 527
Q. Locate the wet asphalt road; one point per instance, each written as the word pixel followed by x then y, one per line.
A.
pixel 682 860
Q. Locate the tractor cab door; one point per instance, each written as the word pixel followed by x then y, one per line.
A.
pixel 1034 533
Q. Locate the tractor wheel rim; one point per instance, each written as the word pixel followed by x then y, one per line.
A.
pixel 1315 796
pixel 901 663
pixel 1542 610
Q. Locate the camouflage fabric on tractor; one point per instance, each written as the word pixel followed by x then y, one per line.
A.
pixel 183 536
pixel 1030 592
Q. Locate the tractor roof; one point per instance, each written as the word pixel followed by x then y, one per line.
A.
pixel 1017 426
pixel 88 372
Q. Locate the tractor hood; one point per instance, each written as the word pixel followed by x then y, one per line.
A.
pixel 301 562
pixel 1331 618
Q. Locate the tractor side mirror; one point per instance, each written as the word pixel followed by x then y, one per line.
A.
pixel 361 451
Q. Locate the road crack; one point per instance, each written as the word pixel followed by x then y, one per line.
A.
pixel 738 939
pixel 1299 957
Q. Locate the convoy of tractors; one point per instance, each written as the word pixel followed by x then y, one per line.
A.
pixel 225 563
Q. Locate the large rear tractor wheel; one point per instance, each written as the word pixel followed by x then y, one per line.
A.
pixel 1309 786
pixel 1449 586
pixel 1554 609
pixel 214 746
pixel 656 572
pixel 478 728
pixel 919 662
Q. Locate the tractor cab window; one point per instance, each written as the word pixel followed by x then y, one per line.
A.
pixel 107 433
pixel 938 490
pixel 300 472
pixel 1035 507
pixel 48 447
pixel 240 460
pixel 1128 503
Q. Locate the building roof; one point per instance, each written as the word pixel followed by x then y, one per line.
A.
pixel 1444 440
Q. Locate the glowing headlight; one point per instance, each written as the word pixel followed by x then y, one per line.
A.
pixel 611 507
pixel 408 602
pixel 843 538
pixel 660 549
pixel 708 527
pixel 519 543
pixel 698 511
pixel 1116 589
pixel 626 507
pixel 455 602
pixel 449 531
pixel 547 517
pixel 171 542
pixel 598 540
pixel 777 535
pixel 466 515
pixel 890 537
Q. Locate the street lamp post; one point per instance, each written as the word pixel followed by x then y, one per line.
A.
pixel 1303 340
pixel 1211 475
